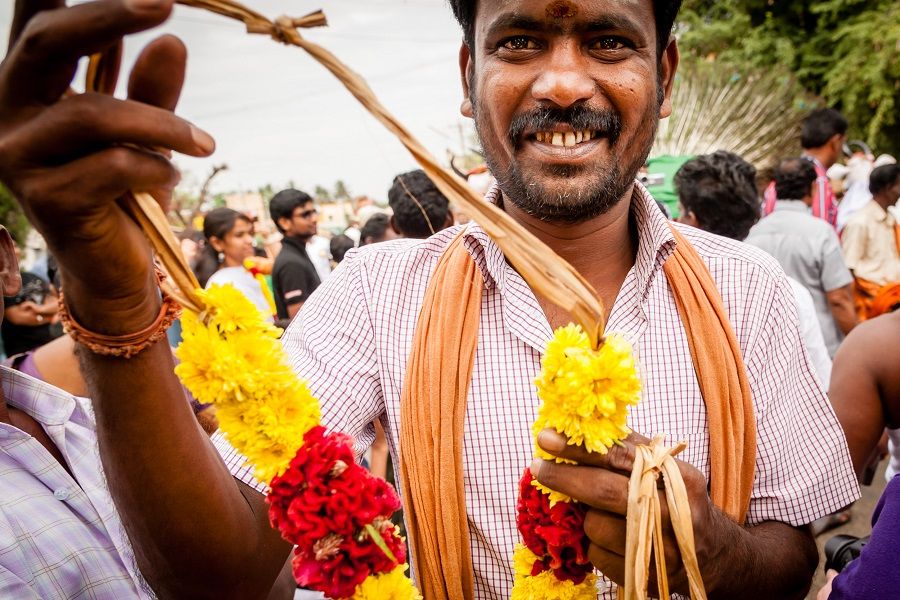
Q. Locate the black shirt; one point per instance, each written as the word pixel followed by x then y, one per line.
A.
pixel 294 277
pixel 22 338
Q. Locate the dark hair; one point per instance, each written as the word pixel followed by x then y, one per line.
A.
pixel 339 246
pixel 216 224
pixel 374 229
pixel 821 125
pixel 663 11
pixel 883 177
pixel 282 204
pixel 793 178
pixel 53 272
pixel 420 209
pixel 720 189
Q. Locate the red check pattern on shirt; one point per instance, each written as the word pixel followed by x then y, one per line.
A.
pixel 352 338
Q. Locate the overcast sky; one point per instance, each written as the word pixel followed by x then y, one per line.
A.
pixel 279 116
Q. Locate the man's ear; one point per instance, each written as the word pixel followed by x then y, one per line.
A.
pixel 10 279
pixel 284 223
pixel 668 67
pixel 465 72
pixel 393 224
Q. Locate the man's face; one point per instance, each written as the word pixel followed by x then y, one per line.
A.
pixel 303 222
pixel 566 96
pixel 10 279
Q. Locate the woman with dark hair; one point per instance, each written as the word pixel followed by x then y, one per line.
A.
pixel 229 242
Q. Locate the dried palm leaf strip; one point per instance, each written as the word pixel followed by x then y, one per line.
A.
pixel 644 534
pixel 543 269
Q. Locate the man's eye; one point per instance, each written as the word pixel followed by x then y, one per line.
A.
pixel 520 42
pixel 608 43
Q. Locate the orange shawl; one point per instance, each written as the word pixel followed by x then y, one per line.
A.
pixel 433 403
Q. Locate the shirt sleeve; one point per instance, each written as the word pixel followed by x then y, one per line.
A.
pixel 331 345
pixel 803 468
pixel 297 282
pixel 853 243
pixel 835 273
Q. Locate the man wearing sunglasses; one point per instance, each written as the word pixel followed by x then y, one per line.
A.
pixel 294 276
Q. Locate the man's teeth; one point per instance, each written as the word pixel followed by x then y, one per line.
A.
pixel 567 139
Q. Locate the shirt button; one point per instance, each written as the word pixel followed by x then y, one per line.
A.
pixel 61 494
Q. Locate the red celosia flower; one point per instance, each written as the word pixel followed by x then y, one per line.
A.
pixel 555 534
pixel 354 559
pixel 323 503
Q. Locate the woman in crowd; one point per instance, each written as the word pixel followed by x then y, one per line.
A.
pixel 229 242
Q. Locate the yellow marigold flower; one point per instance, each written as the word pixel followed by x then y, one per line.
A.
pixel 394 585
pixel 545 585
pixel 236 362
pixel 586 393
pixel 229 310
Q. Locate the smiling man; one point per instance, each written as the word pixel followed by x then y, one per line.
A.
pixel 566 96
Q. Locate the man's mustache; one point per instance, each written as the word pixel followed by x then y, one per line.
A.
pixel 579 117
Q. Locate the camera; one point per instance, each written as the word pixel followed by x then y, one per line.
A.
pixel 841 550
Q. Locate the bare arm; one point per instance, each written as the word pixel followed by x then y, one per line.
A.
pixel 843 309
pixel 865 385
pixel 293 309
pixel 196 532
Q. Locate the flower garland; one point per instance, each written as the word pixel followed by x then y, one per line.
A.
pixel 585 395
pixel 334 511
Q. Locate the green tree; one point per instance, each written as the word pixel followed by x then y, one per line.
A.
pixel 12 217
pixel 845 51
pixel 340 190
pixel 322 193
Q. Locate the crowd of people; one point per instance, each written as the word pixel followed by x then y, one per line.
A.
pixel 117 484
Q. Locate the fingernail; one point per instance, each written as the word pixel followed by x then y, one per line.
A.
pixel 536 467
pixel 204 141
pixel 144 4
pixel 551 441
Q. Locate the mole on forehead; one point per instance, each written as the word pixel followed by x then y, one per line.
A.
pixel 561 9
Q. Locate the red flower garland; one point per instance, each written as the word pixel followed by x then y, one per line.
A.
pixel 556 534
pixel 324 503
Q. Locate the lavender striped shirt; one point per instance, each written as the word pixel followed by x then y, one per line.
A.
pixel 59 537
pixel 352 338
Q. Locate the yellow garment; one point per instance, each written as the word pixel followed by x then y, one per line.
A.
pixel 871 246
pixel 433 401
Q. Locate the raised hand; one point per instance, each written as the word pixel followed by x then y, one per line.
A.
pixel 69 159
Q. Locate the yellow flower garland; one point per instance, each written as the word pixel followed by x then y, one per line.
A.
pixel 585 396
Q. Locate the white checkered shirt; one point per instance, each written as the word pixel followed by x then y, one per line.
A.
pixel 352 338
pixel 60 538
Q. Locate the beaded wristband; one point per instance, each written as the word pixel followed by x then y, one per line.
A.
pixel 129 344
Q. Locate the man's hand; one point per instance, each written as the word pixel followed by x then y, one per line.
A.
pixel 601 482
pixel 826 589
pixel 771 560
pixel 70 158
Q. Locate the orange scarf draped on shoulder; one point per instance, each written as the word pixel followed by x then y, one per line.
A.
pixel 433 406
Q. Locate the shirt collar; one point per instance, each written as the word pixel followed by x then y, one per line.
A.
pixel 792 205
pixel 655 242
pixel 294 243
pixel 43 402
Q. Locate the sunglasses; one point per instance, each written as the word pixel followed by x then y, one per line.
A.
pixel 308 213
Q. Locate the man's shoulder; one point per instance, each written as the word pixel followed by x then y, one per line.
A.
pixel 716 248
pixel 403 254
pixel 867 213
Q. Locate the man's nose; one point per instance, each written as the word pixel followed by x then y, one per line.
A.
pixel 565 80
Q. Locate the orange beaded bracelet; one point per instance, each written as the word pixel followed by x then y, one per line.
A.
pixel 129 344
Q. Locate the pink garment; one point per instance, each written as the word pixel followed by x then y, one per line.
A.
pixel 824 205
pixel 352 339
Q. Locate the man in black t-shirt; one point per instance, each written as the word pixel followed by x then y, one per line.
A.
pixel 294 277
pixel 28 316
